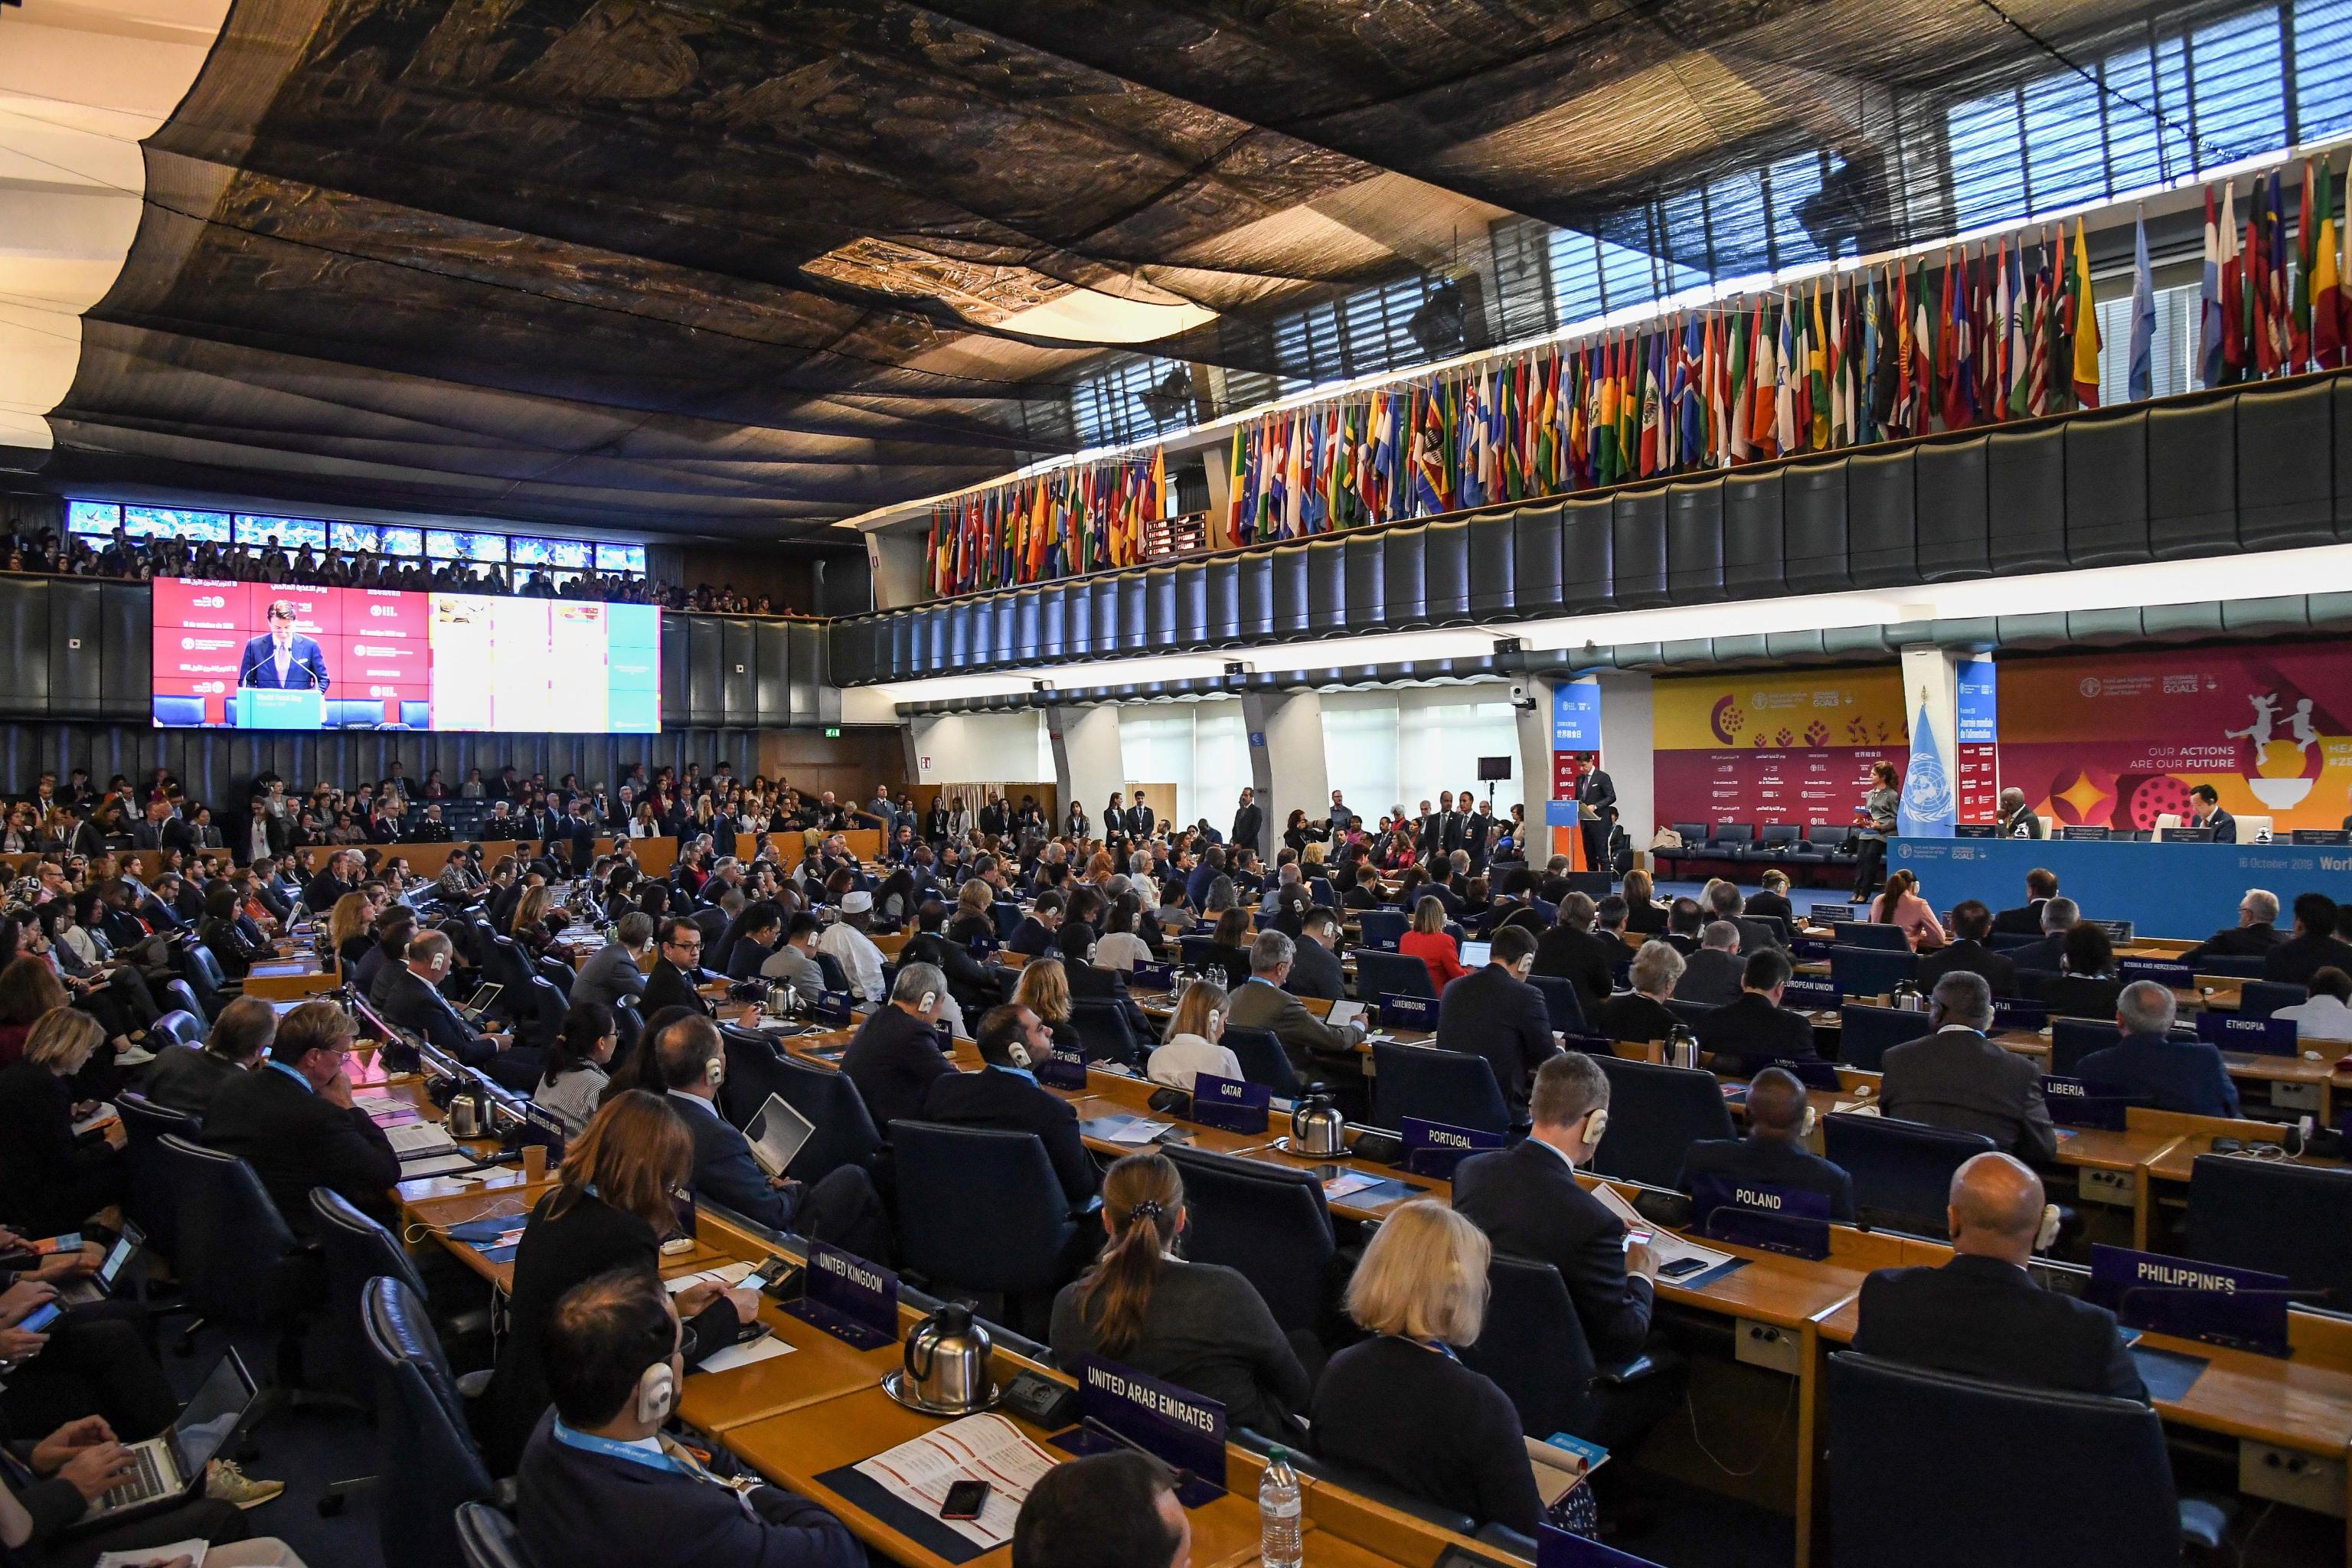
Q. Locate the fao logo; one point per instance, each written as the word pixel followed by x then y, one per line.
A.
pixel 382 610
pixel 1903 851
pixel 2090 686
pixel 187 645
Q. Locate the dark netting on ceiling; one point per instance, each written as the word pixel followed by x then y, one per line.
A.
pixel 740 268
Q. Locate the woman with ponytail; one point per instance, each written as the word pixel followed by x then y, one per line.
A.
pixel 1197 1325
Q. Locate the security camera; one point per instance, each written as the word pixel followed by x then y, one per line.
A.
pixel 1520 700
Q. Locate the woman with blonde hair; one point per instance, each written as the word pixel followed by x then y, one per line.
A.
pixel 612 1206
pixel 1192 1045
pixel 528 926
pixel 1201 1326
pixel 1045 990
pixel 56 1182
pixel 347 931
pixel 1401 1406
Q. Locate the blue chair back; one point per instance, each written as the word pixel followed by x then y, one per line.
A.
pixel 1192 949
pixel 1560 1000
pixel 489 1539
pixel 154 1199
pixel 232 1238
pixel 2295 1220
pixel 1262 1057
pixel 2071 1039
pixel 1007 915
pixel 423 1424
pixel 1382 929
pixel 1865 1033
pixel 357 1250
pixel 979 1210
pixel 1894 1430
pixel 1452 1087
pixel 1871 971
pixel 2237 968
pixel 1268 1223
pixel 1655 1114
pixel 835 977
pixel 1533 1346
pixel 1103 1031
pixel 1381 974
pixel 844 1135
pixel 2260 998
pixel 1320 889
pixel 182 1026
pixel 1902 1171
pixel 1869 933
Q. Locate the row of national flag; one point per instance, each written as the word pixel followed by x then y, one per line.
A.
pixel 1985 335
pixel 1050 525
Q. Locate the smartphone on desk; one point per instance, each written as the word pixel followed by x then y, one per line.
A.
pixel 965 1500
pixel 1680 1268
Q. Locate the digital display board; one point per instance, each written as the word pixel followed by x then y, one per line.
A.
pixel 295 656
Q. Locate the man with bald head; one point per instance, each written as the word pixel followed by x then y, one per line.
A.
pixel 1773 1154
pixel 1981 1315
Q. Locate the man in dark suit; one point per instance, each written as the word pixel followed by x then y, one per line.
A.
pixel 1006 1095
pixel 2017 820
pixel 678 970
pixel 898 1050
pixel 1449 830
pixel 2205 811
pixel 1315 969
pixel 1477 833
pixel 1773 1154
pixel 338 876
pixel 2040 886
pixel 1713 974
pixel 1596 814
pixel 292 1119
pixel 1263 1004
pixel 1574 952
pixel 1526 1200
pixel 1035 937
pixel 279 660
pixel 842 1208
pixel 2314 945
pixel 1747 1035
pixel 1139 820
pixel 410 996
pixel 993 817
pixel 1960 1079
pixel 1249 823
pixel 2254 936
pixel 616 972
pixel 1969 949
pixel 162 829
pixel 1981 1315
pixel 1429 829
pixel 1723 904
pixel 2059 916
pixel 598 1482
pixel 1494 1013
pixel 2176 1075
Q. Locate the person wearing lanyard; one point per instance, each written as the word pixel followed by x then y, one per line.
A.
pixel 600 1486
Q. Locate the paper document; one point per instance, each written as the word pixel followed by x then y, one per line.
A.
pixel 436 1165
pixel 978 1448
pixel 764 1349
pixel 1343 1014
pixel 1347 1182
pixel 193 1550
pixel 1557 1470
pixel 1127 1129
pixel 419 1138
pixel 730 1275
pixel 1668 1247
pixel 1854 1108
pixel 97 1119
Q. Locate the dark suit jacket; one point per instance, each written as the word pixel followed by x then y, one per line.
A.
pixel 50 1179
pixel 2081 997
pixel 2042 956
pixel 2237 942
pixel 1710 976
pixel 1977 959
pixel 2177 1075
pixel 1011 1102
pixel 724 1171
pixel 409 1002
pixel 1770 1163
pixel 1032 939
pixel 318 895
pixel 973 984
pixel 1315 971
pixel 1595 792
pixel 186 1079
pixel 1773 904
pixel 1755 1033
pixel 892 1060
pixel 1249 821
pixel 668 986
pixel 1428 1426
pixel 1526 1201
pixel 1582 956
pixel 582 1510
pixel 1962 1081
pixel 305 669
pixel 2299 958
pixel 295 1140
pixel 1632 1016
pixel 1980 1316
pixel 2024 920
pixel 1492 1014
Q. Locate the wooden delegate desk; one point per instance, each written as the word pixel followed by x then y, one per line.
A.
pixel 294 977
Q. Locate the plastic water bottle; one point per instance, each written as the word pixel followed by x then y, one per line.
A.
pixel 1281 1541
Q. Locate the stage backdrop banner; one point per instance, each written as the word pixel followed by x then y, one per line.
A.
pixel 2117 740
pixel 1769 748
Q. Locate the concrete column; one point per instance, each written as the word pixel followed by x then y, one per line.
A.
pixel 1534 725
pixel 1287 767
pixel 1629 752
pixel 1087 762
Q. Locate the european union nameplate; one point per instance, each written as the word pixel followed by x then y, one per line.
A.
pixel 1808 996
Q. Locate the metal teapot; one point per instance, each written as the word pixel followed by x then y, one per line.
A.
pixel 1681 1046
pixel 947 1362
pixel 1317 1127
pixel 1906 997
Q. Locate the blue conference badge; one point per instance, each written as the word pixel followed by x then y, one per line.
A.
pixel 1434 1148
pixel 2263 1037
pixel 1401 1012
pixel 1229 1103
pixel 848 1298
pixel 1120 1408
pixel 1925 809
pixel 2242 1308
pixel 1754 1213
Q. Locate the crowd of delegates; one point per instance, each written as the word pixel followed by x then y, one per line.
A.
pixel 586 1375
pixel 119 556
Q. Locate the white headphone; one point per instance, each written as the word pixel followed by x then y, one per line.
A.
pixel 714 1071
pixel 1812 1119
pixel 925 1004
pixel 2049 1231
pixel 1018 1053
pixel 1596 1123
pixel 656 1393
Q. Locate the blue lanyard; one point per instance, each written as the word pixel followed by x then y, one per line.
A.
pixel 293 1074
pixel 1440 1346
pixel 613 1448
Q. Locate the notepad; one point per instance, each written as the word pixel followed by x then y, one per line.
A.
pixel 193 1550
pixel 436 1164
pixel 97 1119
pixel 730 1275
pixel 766 1348
pixel 419 1139
pixel 1133 1129
pixel 978 1448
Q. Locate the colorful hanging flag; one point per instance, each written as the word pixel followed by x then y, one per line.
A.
pixel 2141 377
pixel 2083 326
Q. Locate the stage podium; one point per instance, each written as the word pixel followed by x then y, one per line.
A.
pixel 268 708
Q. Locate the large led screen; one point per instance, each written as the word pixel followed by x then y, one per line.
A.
pixel 265 655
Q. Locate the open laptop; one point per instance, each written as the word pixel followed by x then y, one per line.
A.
pixel 1477 954
pixel 172 1465
pixel 776 1132
pixel 81 1292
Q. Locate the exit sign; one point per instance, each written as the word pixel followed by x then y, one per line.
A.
pixel 832 731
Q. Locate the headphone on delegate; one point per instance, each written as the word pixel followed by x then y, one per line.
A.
pixel 1596 1123
pixel 656 1393
pixel 714 1070
pixel 2049 1231
pixel 1813 1121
